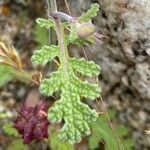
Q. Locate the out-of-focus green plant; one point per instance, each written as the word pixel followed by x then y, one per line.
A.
pixel 16 143
pixel 56 143
pixel 11 67
pixel 5 74
pixel 101 131
pixel 9 130
pixel 40 35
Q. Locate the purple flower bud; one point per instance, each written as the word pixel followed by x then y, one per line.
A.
pixel 32 122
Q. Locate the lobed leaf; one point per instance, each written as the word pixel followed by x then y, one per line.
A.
pixel 45 54
pixel 76 115
pixel 87 90
pixel 92 12
pixel 49 86
pixel 88 68
pixel 47 23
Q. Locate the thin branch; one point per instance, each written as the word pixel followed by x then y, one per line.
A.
pixel 53 5
pixel 67 6
pixel 49 30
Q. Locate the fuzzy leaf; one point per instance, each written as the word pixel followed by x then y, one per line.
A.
pixel 87 68
pixel 44 55
pixel 87 90
pixel 49 86
pixel 40 35
pixel 92 12
pixel 47 23
pixel 76 115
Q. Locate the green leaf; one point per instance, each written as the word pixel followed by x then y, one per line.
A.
pixel 45 54
pixel 92 12
pixel 17 145
pixel 56 144
pixel 76 115
pixel 87 90
pixel 102 131
pixel 5 74
pixel 87 68
pixel 41 35
pixel 49 86
pixel 3 115
pixel 10 130
pixel 47 23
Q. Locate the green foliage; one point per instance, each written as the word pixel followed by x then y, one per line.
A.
pixel 45 54
pixel 92 12
pixel 3 115
pixel 77 116
pixel 45 23
pixel 41 35
pixel 102 131
pixel 10 130
pixel 88 68
pixel 5 74
pixel 17 145
pixel 56 144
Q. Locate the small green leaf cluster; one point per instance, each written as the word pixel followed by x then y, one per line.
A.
pixel 17 144
pixel 45 54
pixel 101 131
pixel 40 35
pixel 92 12
pixel 76 115
pixel 5 74
pixel 56 144
pixel 8 129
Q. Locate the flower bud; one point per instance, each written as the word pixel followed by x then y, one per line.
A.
pixel 85 29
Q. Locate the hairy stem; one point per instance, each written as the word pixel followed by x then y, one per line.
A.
pixel 60 35
pixel 53 5
pixel 63 48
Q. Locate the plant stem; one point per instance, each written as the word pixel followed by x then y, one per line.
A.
pixel 59 31
pixel 53 6
pixel 25 77
pixel 63 48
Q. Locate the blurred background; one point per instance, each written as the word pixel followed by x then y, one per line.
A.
pixel 124 57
